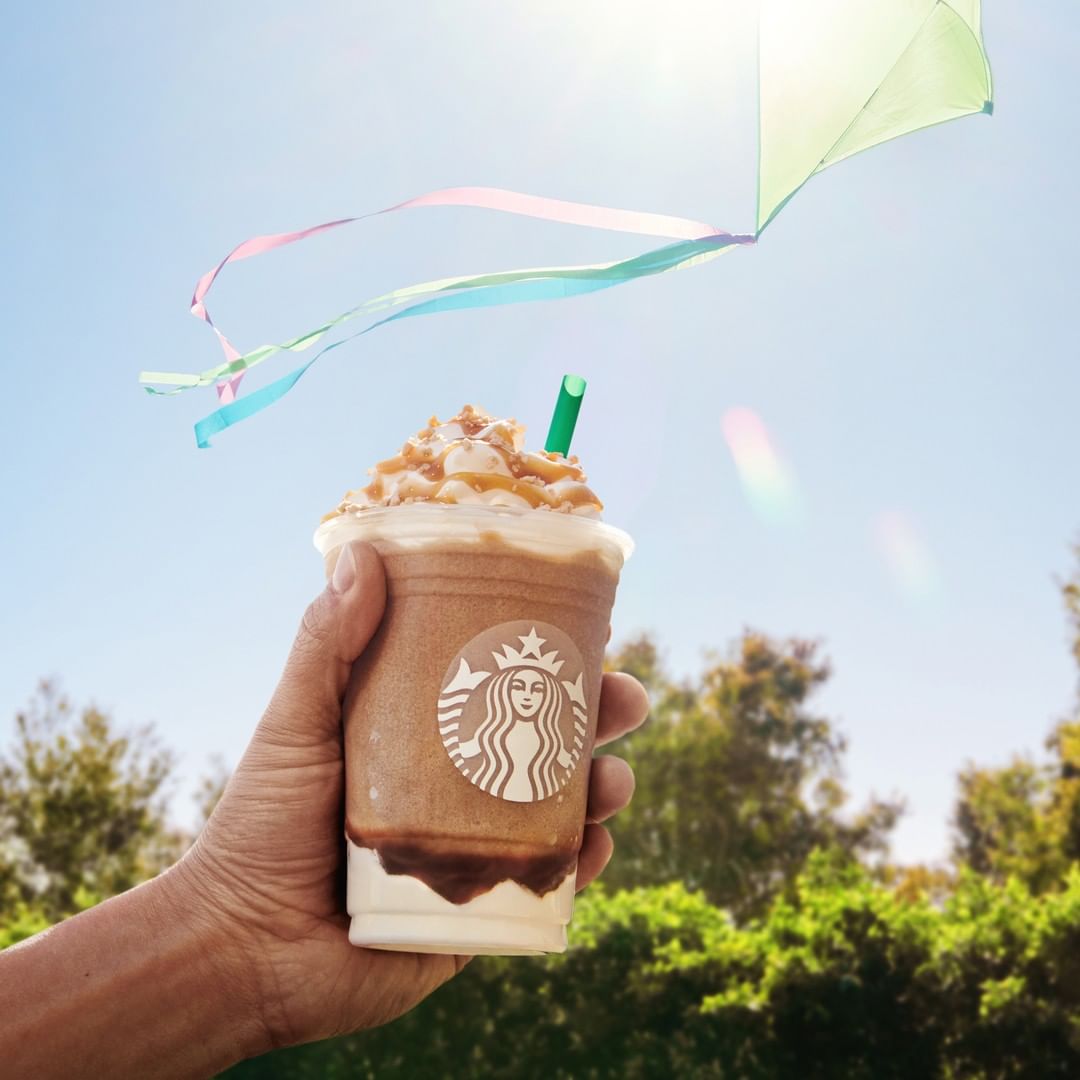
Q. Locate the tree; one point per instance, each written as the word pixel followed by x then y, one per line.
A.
pixel 211 788
pixel 1023 819
pixel 737 779
pixel 1070 592
pixel 640 657
pixel 82 812
pixel 839 978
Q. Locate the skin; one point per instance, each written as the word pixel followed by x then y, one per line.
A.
pixel 241 947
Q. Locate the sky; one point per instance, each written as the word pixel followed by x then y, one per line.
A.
pixel 893 366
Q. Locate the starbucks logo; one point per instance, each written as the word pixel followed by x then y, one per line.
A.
pixel 512 712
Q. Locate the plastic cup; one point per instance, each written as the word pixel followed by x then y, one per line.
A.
pixel 470 721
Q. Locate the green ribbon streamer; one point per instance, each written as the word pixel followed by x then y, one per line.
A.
pixel 652 262
pixel 521 286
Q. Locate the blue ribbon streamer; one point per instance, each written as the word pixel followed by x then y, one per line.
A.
pixel 658 261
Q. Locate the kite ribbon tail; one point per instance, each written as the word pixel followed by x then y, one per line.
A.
pixel 247 406
pixel 484 198
pixel 670 258
pixel 651 262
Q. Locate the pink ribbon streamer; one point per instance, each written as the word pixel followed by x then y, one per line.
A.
pixel 485 198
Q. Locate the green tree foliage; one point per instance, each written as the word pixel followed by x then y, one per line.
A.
pixel 1004 824
pixel 738 779
pixel 211 788
pixel 1070 592
pixel 82 812
pixel 19 922
pixel 1023 819
pixel 840 978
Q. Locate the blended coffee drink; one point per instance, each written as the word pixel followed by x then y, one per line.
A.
pixel 470 719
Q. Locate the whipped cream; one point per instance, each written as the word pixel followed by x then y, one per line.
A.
pixel 476 460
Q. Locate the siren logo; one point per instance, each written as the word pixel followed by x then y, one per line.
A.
pixel 512 712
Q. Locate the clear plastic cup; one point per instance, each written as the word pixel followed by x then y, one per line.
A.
pixel 470 721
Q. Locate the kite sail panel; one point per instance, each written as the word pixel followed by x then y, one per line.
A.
pixel 840 76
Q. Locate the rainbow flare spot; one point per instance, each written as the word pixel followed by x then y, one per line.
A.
pixel 766 480
pixel 907 556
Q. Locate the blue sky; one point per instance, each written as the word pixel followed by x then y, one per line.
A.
pixel 905 330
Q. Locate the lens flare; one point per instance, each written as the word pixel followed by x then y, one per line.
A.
pixel 766 480
pixel 907 555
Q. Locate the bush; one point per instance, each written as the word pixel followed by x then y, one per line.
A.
pixel 842 978
pixel 20 924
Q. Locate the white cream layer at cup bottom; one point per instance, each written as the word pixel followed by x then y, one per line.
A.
pixel 403 914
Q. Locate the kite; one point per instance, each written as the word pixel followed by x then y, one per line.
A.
pixel 835 77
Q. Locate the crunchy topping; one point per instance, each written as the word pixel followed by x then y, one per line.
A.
pixel 440 464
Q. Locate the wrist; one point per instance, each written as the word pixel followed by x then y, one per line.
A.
pixel 140 985
pixel 213 945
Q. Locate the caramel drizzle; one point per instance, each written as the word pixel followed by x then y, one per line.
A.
pixel 530 473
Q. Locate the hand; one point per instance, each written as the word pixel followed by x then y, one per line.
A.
pixel 268 869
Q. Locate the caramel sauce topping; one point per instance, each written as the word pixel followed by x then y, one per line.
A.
pixel 496 462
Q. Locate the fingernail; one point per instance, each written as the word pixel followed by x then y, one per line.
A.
pixel 344 571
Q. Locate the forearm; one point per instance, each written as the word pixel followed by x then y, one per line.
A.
pixel 134 987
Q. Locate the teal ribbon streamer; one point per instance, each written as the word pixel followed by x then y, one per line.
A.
pixel 670 257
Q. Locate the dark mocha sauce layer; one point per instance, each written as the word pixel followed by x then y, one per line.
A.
pixel 460 876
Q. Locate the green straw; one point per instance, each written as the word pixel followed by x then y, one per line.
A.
pixel 564 418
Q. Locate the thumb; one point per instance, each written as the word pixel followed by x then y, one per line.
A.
pixel 335 630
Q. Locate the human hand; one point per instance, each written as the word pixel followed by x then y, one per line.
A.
pixel 267 872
